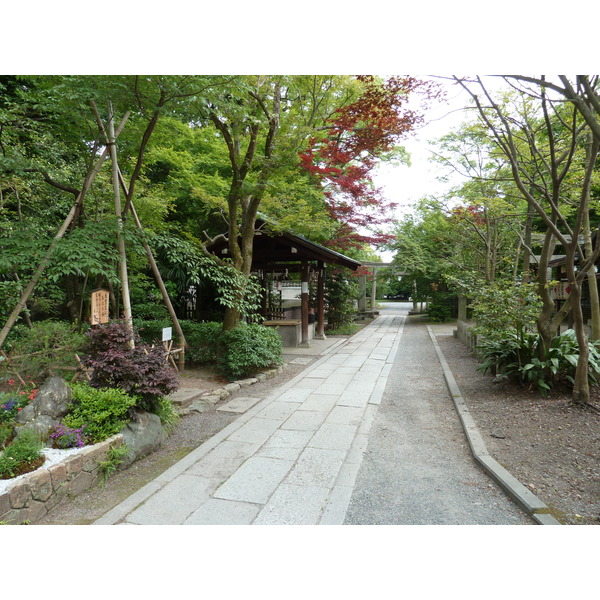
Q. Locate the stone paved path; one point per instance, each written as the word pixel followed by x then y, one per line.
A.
pixel 294 457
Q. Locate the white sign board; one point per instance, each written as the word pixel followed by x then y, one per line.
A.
pixel 167 334
pixel 560 291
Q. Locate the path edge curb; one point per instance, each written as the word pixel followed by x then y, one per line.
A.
pixel 528 501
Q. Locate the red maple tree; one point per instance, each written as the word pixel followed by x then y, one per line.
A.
pixel 355 138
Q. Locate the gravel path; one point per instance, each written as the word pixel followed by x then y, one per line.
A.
pixel 418 469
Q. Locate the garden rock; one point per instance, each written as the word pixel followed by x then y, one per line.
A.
pixel 50 404
pixel 143 434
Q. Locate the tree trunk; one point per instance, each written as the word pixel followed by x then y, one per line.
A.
pixel 120 241
pixel 546 328
pixel 591 154
pixel 581 386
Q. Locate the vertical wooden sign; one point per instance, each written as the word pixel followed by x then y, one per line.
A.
pixel 100 307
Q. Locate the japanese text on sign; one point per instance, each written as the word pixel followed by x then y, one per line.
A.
pixel 100 307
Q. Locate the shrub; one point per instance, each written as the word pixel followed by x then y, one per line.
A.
pixel 11 403
pixel 114 458
pixel 46 348
pixel 247 349
pixel 103 412
pixel 150 331
pixel 18 456
pixel 142 371
pixel 202 340
pixel 341 293
pixel 441 307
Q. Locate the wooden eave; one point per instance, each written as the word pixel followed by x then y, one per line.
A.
pixel 272 249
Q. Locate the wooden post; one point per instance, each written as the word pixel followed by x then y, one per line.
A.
pixel 304 303
pixel 321 301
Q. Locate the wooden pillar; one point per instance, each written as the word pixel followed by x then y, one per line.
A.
pixel 304 303
pixel 320 333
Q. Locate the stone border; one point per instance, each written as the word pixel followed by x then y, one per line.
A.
pixel 35 494
pixel 528 501
pixel 188 400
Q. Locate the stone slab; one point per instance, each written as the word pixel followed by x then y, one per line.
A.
pixel 183 397
pixel 333 436
pixel 318 402
pixel 223 460
pixel 295 395
pixel 317 467
pixel 223 512
pixel 294 505
pixel 255 480
pixel 285 444
pixel 175 502
pixel 239 405
pixel 305 420
pixel 345 415
pixel 255 431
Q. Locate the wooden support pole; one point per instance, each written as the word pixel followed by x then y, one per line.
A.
pixel 157 276
pixel 304 303
pixel 91 175
pixel 374 289
pixel 321 301
pixel 111 140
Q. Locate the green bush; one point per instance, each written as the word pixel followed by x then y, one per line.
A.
pixel 104 411
pixel 47 349
pixel 201 338
pixel 341 292
pixel 25 448
pixel 440 309
pixel 522 358
pixel 247 349
pixel 150 330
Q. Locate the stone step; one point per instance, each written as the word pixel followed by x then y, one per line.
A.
pixel 184 397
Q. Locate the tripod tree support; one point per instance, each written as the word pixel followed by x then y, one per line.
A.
pixel 91 175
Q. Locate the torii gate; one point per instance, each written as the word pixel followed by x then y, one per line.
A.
pixel 362 283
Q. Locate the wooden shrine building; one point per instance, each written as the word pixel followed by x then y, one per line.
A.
pixel 277 255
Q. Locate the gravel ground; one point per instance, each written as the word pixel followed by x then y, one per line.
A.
pixel 418 468
pixel 547 444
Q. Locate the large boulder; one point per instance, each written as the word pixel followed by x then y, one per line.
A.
pixel 49 406
pixel 143 435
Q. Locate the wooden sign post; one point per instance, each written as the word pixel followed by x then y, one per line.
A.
pixel 100 307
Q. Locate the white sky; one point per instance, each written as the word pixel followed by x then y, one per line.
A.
pixel 405 185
